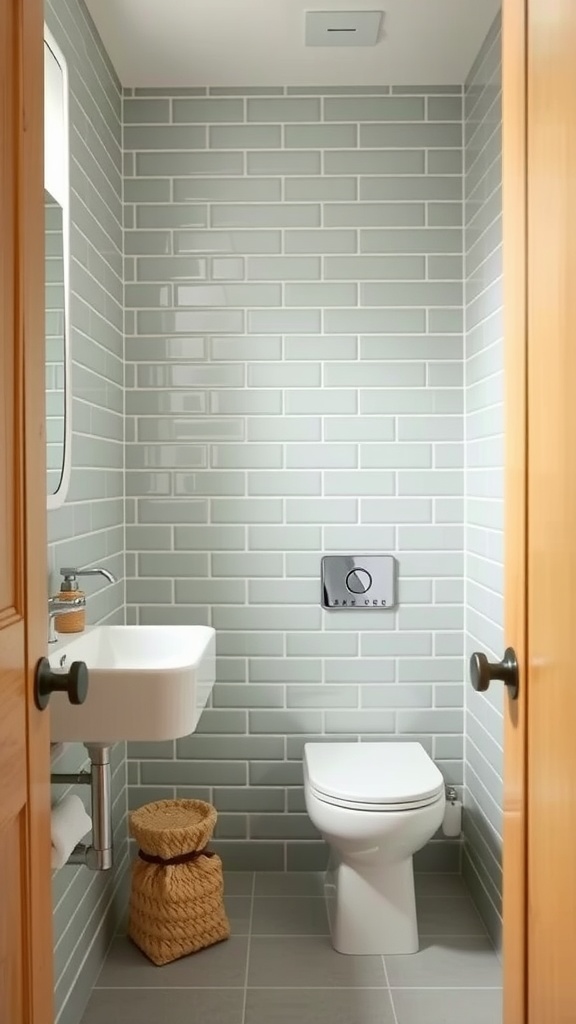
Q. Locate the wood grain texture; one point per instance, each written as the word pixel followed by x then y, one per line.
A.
pixel 25 907
pixel 515 346
pixel 552 510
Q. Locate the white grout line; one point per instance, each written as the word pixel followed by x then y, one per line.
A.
pixel 248 950
pixel 389 990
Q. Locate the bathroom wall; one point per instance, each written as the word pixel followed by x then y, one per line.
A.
pixel 294 387
pixel 484 474
pixel 89 528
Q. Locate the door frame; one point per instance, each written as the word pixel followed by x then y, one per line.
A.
pixel 515 231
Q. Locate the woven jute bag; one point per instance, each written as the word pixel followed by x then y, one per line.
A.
pixel 176 900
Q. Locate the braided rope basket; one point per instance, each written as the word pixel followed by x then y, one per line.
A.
pixel 176 900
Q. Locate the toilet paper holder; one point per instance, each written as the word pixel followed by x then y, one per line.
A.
pixel 98 856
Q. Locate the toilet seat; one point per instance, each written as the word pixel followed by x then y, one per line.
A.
pixel 372 776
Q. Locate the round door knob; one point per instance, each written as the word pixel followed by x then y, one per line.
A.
pixel 484 672
pixel 46 682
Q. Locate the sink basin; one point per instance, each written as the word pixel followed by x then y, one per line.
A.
pixel 146 683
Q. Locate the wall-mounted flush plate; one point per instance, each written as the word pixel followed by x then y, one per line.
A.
pixel 363 582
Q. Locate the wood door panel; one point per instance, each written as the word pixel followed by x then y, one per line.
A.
pixel 12 859
pixel 552 510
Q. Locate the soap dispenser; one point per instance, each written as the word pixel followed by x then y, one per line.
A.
pixel 72 622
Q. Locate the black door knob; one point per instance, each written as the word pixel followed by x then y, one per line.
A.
pixel 483 672
pixel 74 683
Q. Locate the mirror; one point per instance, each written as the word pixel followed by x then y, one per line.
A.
pixel 57 211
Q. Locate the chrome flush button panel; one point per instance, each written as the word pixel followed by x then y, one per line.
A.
pixel 359 581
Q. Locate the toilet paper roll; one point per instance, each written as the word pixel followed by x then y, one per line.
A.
pixel 452 824
pixel 70 823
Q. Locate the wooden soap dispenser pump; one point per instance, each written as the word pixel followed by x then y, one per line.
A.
pixel 75 622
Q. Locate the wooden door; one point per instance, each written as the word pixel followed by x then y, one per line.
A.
pixel 25 911
pixel 540 245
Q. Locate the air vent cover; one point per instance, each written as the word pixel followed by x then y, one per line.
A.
pixel 343 28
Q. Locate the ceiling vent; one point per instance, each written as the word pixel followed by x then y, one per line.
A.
pixel 343 28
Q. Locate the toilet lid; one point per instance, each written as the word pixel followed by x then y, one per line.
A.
pixel 375 774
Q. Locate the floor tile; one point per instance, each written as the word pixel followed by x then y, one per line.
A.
pixel 223 965
pixel 301 915
pixel 238 909
pixel 441 962
pixel 289 883
pixel 310 961
pixel 437 883
pixel 448 916
pixel 448 1006
pixel 318 1006
pixel 238 883
pixel 141 1006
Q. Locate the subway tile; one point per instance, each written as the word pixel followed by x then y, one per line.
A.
pixel 359 428
pixel 324 510
pixel 246 136
pixel 284 162
pixel 191 321
pixel 151 111
pixel 246 456
pixel 209 538
pixel 146 190
pixel 380 268
pixel 207 111
pixel 407 135
pixel 320 188
pixel 444 108
pixel 296 428
pixel 250 401
pixel 182 510
pixel 173 565
pixel 350 538
pixel 170 268
pixel 413 240
pixel 326 456
pixel 275 110
pixel 320 241
pixel 282 591
pixel 396 696
pixel 382 401
pixel 232 349
pixel 189 375
pixel 227 268
pixel 184 215
pixel 284 483
pixel 283 671
pixel 430 428
pixel 285 722
pixel 164 138
pixel 159 350
pixel 397 456
pixel 265 618
pixel 374 215
pixel 227 294
pixel 174 164
pixel 165 456
pixel 246 565
pixel 321 136
pixel 310 401
pixel 285 321
pixel 375 109
pixel 320 295
pixel 417 294
pixel 284 375
pixel 444 161
pixel 284 268
pixel 375 161
pixel 327 346
pixel 284 538
pixel 396 510
pixel 413 187
pixel 247 696
pixel 246 510
pixel 284 215
pixel 377 374
pixel 360 483
pixel 175 429
pixel 245 242
pixel 227 189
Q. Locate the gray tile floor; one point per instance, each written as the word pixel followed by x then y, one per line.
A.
pixel 279 966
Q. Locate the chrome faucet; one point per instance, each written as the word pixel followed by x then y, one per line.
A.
pixel 56 606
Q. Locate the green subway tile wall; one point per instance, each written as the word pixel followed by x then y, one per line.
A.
pixel 484 371
pixel 89 528
pixel 294 386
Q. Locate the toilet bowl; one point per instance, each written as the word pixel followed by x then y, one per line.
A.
pixel 375 804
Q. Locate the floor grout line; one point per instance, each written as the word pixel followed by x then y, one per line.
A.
pixel 248 950
pixel 391 997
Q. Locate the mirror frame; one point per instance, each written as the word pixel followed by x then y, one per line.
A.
pixel 57 499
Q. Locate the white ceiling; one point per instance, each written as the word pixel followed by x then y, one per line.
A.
pixel 261 42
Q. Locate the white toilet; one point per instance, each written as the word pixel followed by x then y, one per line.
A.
pixel 376 804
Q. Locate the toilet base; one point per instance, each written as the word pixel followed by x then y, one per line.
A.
pixel 373 912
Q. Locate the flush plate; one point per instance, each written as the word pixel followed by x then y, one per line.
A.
pixel 362 582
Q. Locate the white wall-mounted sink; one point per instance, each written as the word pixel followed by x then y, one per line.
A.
pixel 145 683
